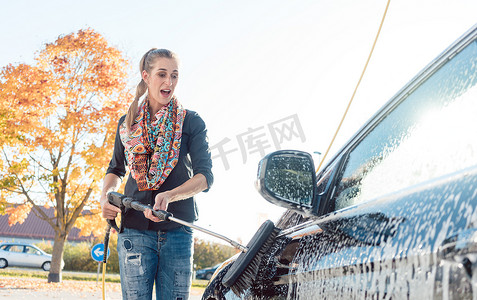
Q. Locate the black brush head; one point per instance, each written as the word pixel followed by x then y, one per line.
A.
pixel 241 274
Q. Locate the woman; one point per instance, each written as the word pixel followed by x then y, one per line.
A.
pixel 165 147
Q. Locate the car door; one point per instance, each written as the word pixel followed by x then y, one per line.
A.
pixel 404 190
pixel 32 257
pixel 15 255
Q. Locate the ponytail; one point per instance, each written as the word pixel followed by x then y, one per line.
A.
pixel 132 111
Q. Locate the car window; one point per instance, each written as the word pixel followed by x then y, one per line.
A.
pixel 15 248
pixel 30 250
pixel 430 134
pixel 3 247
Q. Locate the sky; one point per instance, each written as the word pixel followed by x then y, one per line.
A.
pixel 264 75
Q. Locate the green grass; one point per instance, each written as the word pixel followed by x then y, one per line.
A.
pixel 27 273
pixel 199 283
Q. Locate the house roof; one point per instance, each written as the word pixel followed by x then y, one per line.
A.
pixel 36 228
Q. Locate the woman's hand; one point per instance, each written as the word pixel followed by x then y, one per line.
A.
pixel 195 185
pixel 109 211
pixel 111 183
pixel 161 203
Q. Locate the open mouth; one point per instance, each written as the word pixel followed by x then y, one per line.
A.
pixel 165 93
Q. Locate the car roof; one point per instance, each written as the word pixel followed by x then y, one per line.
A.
pixel 18 244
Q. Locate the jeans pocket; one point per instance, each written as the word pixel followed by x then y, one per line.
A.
pixel 187 229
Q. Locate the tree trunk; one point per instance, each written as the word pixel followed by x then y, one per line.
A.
pixel 57 258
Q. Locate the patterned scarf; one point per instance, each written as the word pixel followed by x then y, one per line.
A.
pixel 152 146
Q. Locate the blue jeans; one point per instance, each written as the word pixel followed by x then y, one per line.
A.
pixel 148 257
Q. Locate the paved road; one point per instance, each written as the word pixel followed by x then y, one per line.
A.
pixel 68 295
pixel 38 289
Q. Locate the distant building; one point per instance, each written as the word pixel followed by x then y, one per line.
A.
pixel 35 230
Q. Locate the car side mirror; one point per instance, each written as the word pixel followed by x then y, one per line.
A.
pixel 287 178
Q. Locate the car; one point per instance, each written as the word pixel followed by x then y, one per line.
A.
pixel 391 215
pixel 206 273
pixel 24 255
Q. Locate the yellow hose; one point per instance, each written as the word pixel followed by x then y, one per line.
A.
pixel 356 88
pixel 104 275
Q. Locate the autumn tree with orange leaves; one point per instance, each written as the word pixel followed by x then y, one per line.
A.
pixel 58 118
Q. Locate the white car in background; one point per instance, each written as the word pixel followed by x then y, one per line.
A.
pixel 24 255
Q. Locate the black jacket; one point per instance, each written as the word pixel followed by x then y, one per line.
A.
pixel 194 158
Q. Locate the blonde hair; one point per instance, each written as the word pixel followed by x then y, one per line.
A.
pixel 145 64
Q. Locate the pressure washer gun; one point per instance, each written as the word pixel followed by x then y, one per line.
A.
pixel 122 201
